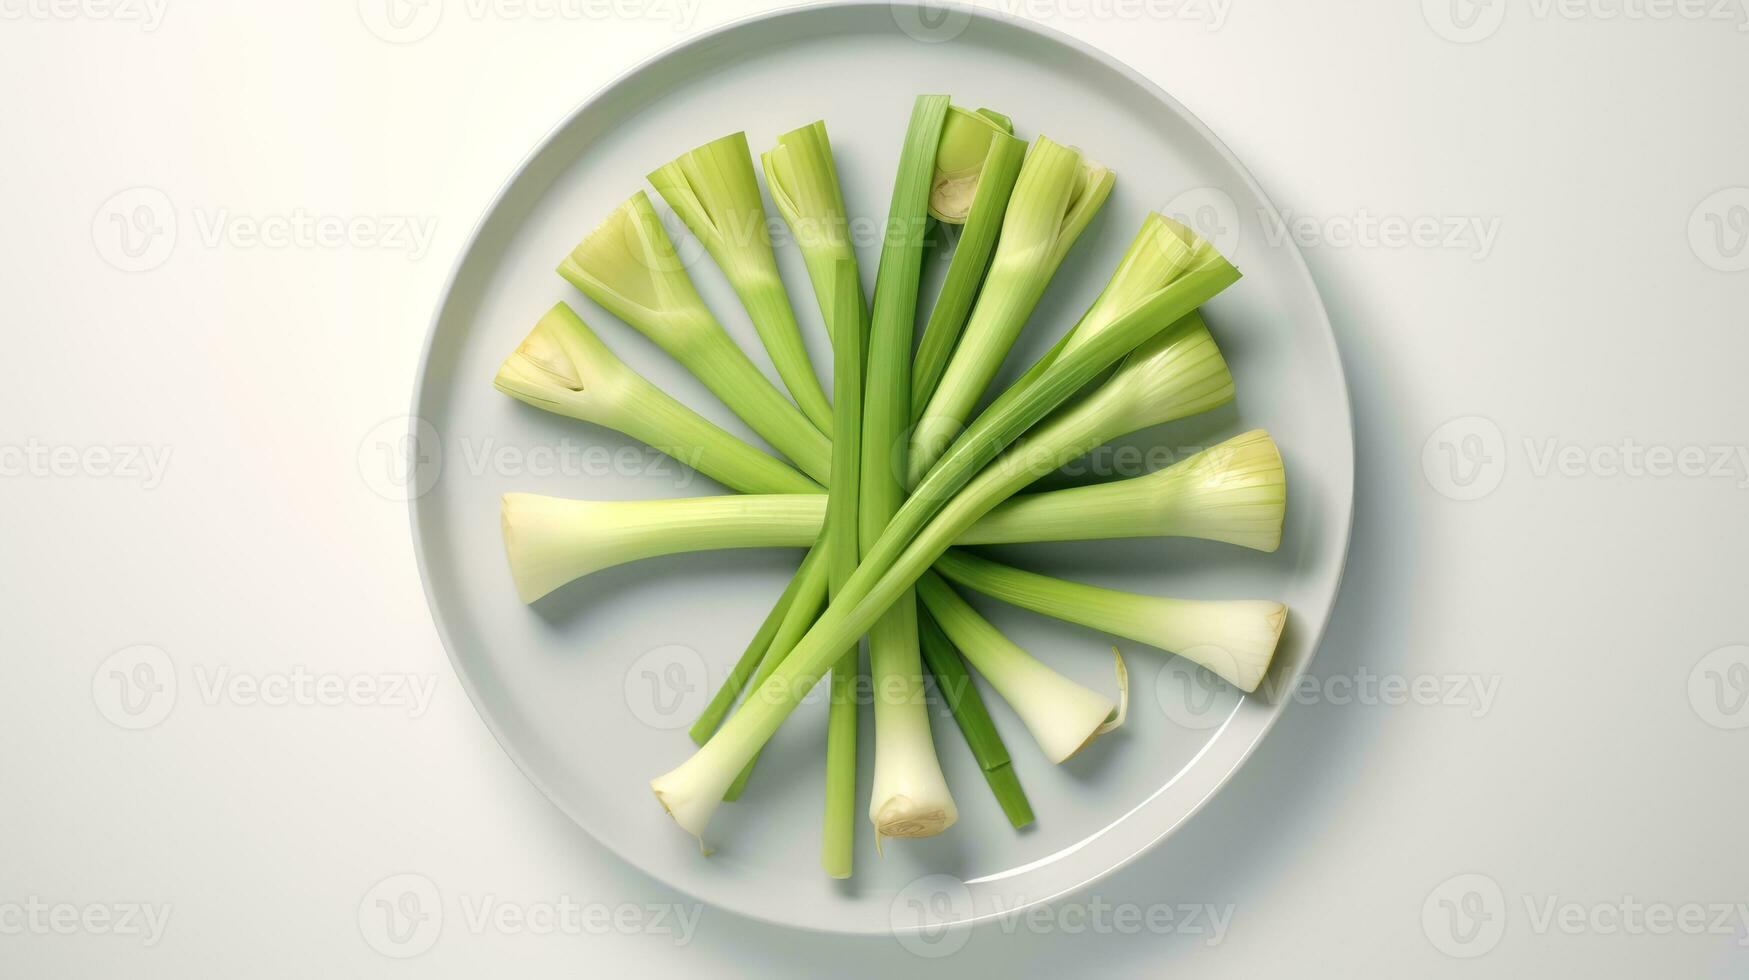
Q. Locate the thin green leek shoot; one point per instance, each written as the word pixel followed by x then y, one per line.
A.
pixel 838 841
pixel 1236 639
pixel 628 264
pixel 975 170
pixel 713 189
pixel 802 614
pixel 563 367
pixel 803 180
pixel 1057 193
pixel 954 683
pixel 744 668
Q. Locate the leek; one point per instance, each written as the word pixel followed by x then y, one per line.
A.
pixel 714 191
pixel 1234 492
pixel 563 367
pixel 803 180
pixel 551 541
pixel 744 668
pixel 840 538
pixel 910 796
pixel 629 266
pixel 954 683
pixel 975 169
pixel 802 613
pixel 1234 639
pixel 1056 195
pixel 1062 716
pixel 947 501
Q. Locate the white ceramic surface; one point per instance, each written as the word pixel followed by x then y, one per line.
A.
pixel 590 690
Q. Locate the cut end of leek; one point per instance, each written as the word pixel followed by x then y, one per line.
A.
pixel 901 816
pixel 1234 639
pixel 1235 492
pixel 690 805
pixel 540 543
pixel 629 265
pixel 959 161
pixel 547 369
pixel 1176 374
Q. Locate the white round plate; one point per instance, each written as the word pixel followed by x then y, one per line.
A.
pixel 591 689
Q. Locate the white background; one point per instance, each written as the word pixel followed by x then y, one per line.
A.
pixel 1603 309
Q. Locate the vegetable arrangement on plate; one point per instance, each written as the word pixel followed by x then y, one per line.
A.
pixel 886 483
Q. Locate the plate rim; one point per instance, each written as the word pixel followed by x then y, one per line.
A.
pixel 1296 256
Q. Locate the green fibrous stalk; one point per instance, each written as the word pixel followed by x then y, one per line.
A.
pixel 953 496
pixel 838 841
pixel 810 600
pixel 754 654
pixel 563 367
pixel 1062 716
pixel 954 683
pixel 1160 253
pixel 1057 193
pixel 628 265
pixel 1235 492
pixel 975 170
pixel 1235 639
pixel 713 189
pixel 910 796
pixel 803 180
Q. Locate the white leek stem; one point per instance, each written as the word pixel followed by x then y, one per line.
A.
pixel 1062 715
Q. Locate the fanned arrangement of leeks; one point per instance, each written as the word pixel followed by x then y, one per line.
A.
pixel 889 481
